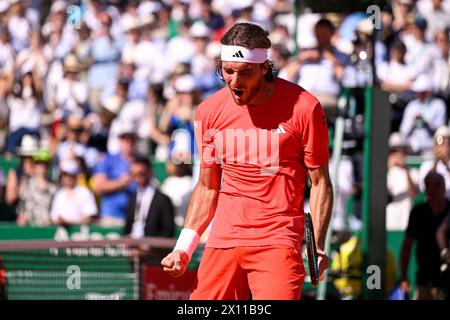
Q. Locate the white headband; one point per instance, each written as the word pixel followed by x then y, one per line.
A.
pixel 242 54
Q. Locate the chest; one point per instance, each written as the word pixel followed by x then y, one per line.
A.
pixel 257 139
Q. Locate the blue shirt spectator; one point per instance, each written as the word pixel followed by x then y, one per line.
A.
pixel 112 180
pixel 114 204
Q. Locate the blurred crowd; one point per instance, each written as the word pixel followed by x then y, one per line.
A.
pixel 94 92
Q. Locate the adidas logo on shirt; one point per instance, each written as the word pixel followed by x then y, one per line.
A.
pixel 238 54
pixel 280 129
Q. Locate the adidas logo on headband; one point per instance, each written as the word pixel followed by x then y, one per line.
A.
pixel 242 54
pixel 238 54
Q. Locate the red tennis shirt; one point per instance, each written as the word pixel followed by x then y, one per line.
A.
pixel 265 152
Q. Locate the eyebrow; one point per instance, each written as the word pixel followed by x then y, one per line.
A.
pixel 231 69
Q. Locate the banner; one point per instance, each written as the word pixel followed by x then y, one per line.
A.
pixel 158 285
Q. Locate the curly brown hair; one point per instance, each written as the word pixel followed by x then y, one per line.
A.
pixel 250 36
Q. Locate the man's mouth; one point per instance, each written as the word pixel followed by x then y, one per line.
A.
pixel 238 92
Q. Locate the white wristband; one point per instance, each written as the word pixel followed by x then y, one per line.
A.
pixel 187 241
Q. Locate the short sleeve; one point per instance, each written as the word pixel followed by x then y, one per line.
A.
pixel 315 138
pixel 89 207
pixel 102 166
pixel 204 137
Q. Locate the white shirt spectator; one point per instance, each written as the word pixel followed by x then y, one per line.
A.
pixel 397 211
pixel 436 18
pixel 154 69
pixel 420 55
pixel 305 28
pixel 179 50
pixel 394 72
pixel 19 29
pixel 73 206
pixel 176 188
pixel 433 111
pixel 71 95
pixel 133 112
pixel 319 78
pixel 24 112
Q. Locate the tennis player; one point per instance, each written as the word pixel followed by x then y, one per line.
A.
pixel 259 139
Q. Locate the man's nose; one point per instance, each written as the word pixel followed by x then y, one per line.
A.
pixel 235 80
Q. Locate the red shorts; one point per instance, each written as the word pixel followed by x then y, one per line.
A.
pixel 268 273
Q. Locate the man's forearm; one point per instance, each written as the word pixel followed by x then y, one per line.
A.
pixel 321 203
pixel 201 208
pixel 106 186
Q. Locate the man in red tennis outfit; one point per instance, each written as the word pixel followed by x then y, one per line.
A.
pixel 259 138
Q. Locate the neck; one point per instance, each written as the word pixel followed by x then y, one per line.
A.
pixel 265 91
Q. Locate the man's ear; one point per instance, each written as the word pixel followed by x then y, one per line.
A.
pixel 265 67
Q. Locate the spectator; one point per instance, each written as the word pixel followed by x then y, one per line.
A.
pixel 98 124
pixel 441 73
pixel 36 194
pixel 24 101
pixel 134 113
pixel 422 116
pixel 441 159
pixel 322 68
pixel 179 111
pixel 111 179
pixel 396 78
pixel 74 143
pixel 180 49
pixel 72 204
pixel 19 176
pixel 33 56
pixel 177 185
pixel 150 212
pixel 18 26
pixel 212 19
pixel 105 58
pixel 71 93
pixel 81 50
pixel 420 55
pixel 400 184
pixel 437 19
pixel 423 223
pixel 402 10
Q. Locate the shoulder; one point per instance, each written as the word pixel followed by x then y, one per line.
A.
pixel 305 103
pixel 438 102
pixel 82 191
pixel 59 194
pixel 213 104
pixel 161 196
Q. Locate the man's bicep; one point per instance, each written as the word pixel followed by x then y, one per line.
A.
pixel 320 174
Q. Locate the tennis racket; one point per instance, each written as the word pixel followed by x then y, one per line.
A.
pixel 311 250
